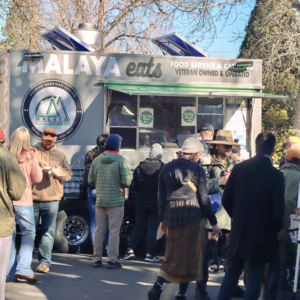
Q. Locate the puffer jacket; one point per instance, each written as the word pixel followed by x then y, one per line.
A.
pixel 12 187
pixel 110 174
pixel 213 173
pixel 31 170
pixel 179 203
pixel 291 173
pixel 51 187
pixel 144 185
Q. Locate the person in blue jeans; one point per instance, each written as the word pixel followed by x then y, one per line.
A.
pixel 91 192
pixel 19 265
pixel 48 192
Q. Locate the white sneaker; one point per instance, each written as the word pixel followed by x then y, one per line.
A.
pixel 150 258
pixel 129 255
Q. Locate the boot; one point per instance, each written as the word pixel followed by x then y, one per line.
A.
pixel 155 292
pixel 201 293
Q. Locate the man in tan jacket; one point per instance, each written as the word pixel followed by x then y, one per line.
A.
pixel 47 194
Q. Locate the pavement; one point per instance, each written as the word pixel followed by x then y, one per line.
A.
pixel 72 277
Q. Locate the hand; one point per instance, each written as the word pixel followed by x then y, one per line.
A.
pixel 216 230
pixel 163 228
pixel 42 163
pixel 223 180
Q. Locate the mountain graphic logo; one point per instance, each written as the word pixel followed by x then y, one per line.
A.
pixel 51 110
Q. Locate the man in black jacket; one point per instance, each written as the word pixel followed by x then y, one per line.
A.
pixel 144 187
pixel 254 199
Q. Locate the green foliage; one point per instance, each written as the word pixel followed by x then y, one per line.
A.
pixel 268 19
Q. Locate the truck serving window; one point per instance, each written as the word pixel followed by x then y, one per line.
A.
pixel 210 110
pixel 166 127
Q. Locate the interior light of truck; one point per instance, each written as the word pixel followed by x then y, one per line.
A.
pixel 32 56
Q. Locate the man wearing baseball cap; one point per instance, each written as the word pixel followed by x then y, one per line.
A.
pixel 292 141
pixel 47 194
pixel 291 173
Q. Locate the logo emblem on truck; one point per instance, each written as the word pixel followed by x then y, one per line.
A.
pixel 52 103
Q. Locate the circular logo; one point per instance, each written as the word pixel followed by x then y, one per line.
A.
pixel 188 116
pixel 52 103
pixel 146 117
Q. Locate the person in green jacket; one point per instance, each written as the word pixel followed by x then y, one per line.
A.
pixel 215 163
pixel 109 174
pixel 12 187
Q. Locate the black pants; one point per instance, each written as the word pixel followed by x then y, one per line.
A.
pixel 210 250
pixel 145 222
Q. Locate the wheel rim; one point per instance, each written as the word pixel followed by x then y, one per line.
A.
pixel 75 230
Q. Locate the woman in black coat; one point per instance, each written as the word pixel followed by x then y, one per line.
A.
pixel 182 198
pixel 144 188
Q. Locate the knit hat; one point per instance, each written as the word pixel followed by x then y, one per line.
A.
pixel 113 143
pixel 192 145
pixel 1 135
pixel 156 151
pixel 293 155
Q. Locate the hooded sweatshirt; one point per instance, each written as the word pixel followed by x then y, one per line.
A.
pixel 110 174
pixel 144 186
pixel 51 187
pixel 32 172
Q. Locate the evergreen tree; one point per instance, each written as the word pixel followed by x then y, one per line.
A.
pixel 266 38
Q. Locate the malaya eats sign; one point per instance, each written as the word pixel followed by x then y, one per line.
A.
pixel 145 68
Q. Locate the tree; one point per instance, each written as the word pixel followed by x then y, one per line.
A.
pixel 128 25
pixel 272 35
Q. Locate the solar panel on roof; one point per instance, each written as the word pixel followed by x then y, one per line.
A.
pixel 175 44
pixel 64 40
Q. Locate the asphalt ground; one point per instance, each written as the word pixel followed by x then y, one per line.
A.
pixel 72 277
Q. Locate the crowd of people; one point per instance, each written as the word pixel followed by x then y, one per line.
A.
pixel 218 212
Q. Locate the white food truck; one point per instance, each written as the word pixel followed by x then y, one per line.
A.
pixel 145 99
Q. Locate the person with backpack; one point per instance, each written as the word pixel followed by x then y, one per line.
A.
pixel 91 195
pixel 144 187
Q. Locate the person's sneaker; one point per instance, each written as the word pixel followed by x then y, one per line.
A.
pixel 31 278
pixel 129 254
pixel 238 292
pixel 179 296
pixel 97 264
pixel 42 269
pixel 115 265
pixel 201 294
pixel 150 258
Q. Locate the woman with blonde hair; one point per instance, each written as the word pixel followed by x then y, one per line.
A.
pixel 19 265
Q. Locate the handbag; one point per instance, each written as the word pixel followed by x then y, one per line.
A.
pixel 216 201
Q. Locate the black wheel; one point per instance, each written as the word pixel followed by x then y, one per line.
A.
pixel 125 233
pixel 72 230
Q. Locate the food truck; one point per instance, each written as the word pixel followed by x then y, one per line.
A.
pixel 145 99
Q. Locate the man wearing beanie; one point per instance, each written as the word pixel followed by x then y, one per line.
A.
pixel 144 188
pixel 291 173
pixel 109 174
pixel 2 139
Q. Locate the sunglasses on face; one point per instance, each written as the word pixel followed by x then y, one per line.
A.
pixel 2 142
pixel 228 146
pixel 49 133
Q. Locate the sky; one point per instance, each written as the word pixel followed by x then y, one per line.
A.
pixel 225 44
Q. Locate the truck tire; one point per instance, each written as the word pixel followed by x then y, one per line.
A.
pixel 72 230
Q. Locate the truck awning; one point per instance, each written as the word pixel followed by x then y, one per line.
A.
pixel 188 90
